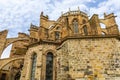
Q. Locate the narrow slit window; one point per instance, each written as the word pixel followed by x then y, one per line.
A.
pixel 34 58
pixel 49 66
pixel 57 35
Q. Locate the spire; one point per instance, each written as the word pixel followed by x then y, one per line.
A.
pixel 41 13
pixel 62 13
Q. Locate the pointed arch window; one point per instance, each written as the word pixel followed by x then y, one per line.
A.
pixel 75 25
pixel 57 35
pixel 34 59
pixel 49 66
pixel 85 30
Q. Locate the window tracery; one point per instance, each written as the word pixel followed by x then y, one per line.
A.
pixel 75 25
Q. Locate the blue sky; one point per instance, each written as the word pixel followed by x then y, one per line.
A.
pixel 17 15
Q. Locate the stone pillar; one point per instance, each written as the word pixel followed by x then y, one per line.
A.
pixel 3 36
pixel 25 74
pixel 38 65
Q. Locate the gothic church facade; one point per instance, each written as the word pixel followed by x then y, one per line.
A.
pixel 74 47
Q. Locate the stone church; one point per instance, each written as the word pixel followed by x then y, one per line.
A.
pixel 73 47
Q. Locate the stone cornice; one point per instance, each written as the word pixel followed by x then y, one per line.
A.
pixel 59 42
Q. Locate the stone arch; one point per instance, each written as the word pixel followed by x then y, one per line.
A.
pixel 10 41
pixel 33 53
pixel 75 19
pixel 13 40
pixel 103 22
pixel 30 54
pixel 9 61
pixel 50 50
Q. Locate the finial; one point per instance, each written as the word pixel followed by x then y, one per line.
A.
pixel 69 9
pixel 62 13
pixel 47 16
pixel 31 25
pixel 78 8
pixel 41 13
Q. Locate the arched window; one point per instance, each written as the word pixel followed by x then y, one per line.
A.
pixel 75 25
pixel 85 30
pixel 57 35
pixel 34 59
pixel 49 66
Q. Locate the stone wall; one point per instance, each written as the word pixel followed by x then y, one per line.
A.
pixel 62 62
pixel 91 58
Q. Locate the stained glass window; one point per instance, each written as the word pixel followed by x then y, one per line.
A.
pixel 75 25
pixel 34 58
pixel 57 35
pixel 85 30
pixel 49 66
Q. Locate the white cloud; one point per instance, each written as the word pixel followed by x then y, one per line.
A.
pixel 18 14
